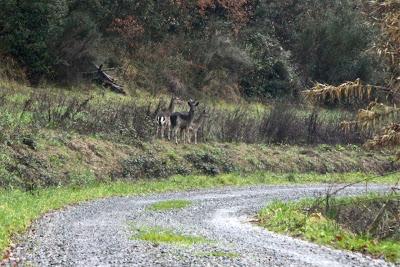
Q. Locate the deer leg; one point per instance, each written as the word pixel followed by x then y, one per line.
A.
pixel 158 129
pixel 169 132
pixel 189 136
pixel 162 131
pixel 189 133
pixel 195 137
pixel 176 135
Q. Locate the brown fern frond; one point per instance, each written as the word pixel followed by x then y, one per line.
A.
pixel 329 93
pixel 386 14
pixel 376 114
pixel 390 137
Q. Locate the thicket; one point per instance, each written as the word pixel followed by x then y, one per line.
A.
pixel 223 48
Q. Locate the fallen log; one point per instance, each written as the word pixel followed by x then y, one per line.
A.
pixel 108 81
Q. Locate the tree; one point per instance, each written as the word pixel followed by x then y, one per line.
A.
pixel 24 34
pixel 379 117
pixel 331 46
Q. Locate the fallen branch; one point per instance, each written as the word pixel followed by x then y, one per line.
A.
pixel 108 81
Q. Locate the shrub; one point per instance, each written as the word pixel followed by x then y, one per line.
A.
pixel 147 166
pixel 281 125
pixel 210 164
pixel 331 45
pixel 26 28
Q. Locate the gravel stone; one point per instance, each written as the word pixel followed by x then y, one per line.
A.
pixel 99 233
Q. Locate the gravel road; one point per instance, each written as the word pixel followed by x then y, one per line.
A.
pixel 100 233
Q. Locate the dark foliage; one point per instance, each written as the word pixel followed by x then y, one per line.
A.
pixel 24 34
pixel 256 49
pixel 331 45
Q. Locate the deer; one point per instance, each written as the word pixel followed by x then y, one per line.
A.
pixel 196 125
pixel 182 121
pixel 164 118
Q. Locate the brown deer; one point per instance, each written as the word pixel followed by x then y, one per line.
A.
pixel 164 118
pixel 181 121
pixel 196 125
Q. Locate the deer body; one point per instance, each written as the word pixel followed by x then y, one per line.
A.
pixel 196 125
pixel 164 118
pixel 182 121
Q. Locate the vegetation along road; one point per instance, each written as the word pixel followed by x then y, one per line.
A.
pixel 210 227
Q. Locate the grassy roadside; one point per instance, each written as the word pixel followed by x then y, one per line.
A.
pixel 292 218
pixel 18 209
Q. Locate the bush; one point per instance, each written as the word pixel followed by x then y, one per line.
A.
pixel 210 164
pixel 146 166
pixel 26 28
pixel 331 45
pixel 281 125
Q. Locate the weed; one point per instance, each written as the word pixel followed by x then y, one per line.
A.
pixel 340 148
pixel 81 178
pixel 291 178
pixel 324 147
pixel 372 215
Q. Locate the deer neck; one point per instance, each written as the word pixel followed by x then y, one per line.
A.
pixel 191 115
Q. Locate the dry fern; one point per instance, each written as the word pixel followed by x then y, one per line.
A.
pixel 322 93
pixel 390 137
pixel 376 113
pixel 372 117
pixel 386 14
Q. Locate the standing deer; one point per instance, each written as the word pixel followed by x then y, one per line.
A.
pixel 164 118
pixel 181 121
pixel 196 125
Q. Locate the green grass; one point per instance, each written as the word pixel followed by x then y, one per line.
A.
pixel 158 235
pixel 169 205
pixel 291 218
pixel 18 209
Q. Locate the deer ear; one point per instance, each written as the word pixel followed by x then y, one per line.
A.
pixel 197 104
